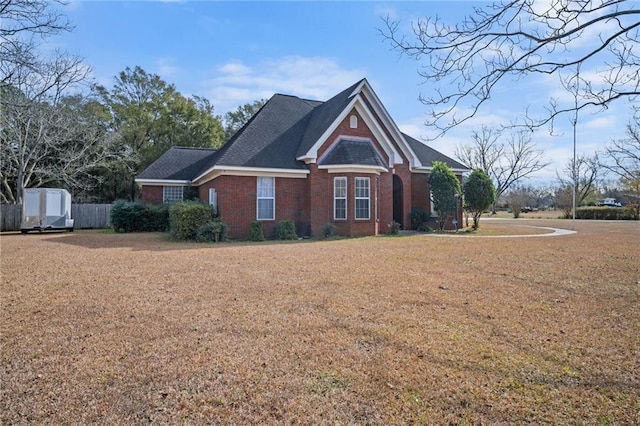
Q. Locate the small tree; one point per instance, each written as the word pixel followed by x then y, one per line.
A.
pixel 444 186
pixel 518 198
pixel 479 194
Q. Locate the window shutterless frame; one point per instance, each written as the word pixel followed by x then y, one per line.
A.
pixel 266 198
pixel 340 198
pixel 363 198
pixel 171 194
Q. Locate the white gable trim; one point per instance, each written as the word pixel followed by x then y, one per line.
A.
pixel 381 111
pixel 358 94
pixel 361 107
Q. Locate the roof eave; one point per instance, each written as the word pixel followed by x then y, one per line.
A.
pixel 220 170
pixel 353 168
pixel 168 182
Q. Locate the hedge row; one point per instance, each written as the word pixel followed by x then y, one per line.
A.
pixel 189 220
pixel 127 216
pixel 604 213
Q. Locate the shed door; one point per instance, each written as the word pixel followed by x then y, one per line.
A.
pixel 54 203
pixel 32 203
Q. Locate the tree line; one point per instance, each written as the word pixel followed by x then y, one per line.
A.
pixel 58 128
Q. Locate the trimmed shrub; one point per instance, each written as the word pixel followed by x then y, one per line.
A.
pixel 424 228
pixel 255 232
pixel 394 228
pixel 604 213
pixel 134 216
pixel 286 230
pixel 419 217
pixel 158 218
pixel 329 230
pixel 186 218
pixel 213 231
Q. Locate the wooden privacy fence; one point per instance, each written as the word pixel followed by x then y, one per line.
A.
pixel 84 215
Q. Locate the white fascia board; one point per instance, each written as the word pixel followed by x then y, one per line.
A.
pixel 378 132
pixel 381 111
pixel 220 170
pixel 355 168
pixel 359 87
pixel 162 182
pixel 374 126
pixel 428 170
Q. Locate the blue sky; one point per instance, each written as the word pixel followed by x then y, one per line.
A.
pixel 236 52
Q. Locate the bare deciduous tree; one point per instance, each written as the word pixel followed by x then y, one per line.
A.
pixel 43 144
pixel 622 157
pixel 45 136
pixel 22 22
pixel 506 163
pixel 587 174
pixel 513 39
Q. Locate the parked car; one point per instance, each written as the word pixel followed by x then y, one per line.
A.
pixel 609 202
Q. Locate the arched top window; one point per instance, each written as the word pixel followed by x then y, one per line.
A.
pixel 353 121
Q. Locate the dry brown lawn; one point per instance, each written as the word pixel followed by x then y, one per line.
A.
pixel 133 328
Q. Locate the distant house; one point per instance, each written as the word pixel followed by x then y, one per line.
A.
pixel 343 161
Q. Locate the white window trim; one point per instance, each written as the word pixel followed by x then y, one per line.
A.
pixel 258 198
pixel 368 198
pixel 165 190
pixel 213 200
pixel 433 212
pixel 335 198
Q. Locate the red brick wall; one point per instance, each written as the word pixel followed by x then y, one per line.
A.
pixel 420 198
pixel 321 210
pixel 420 192
pixel 151 194
pixel 344 129
pixel 237 203
pixel 405 176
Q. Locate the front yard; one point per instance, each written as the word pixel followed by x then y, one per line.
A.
pixel 133 328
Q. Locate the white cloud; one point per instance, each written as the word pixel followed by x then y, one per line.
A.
pixel 318 78
pixel 166 70
pixel 606 122
pixel 384 11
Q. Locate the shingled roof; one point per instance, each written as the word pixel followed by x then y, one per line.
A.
pixel 284 129
pixel 349 151
pixel 428 155
pixel 178 163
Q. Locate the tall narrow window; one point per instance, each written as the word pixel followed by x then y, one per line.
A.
pixel 353 122
pixel 434 213
pixel 213 200
pixel 171 194
pixel 363 198
pixel 266 204
pixel 340 198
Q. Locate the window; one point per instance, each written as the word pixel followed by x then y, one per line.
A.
pixel 363 197
pixel 340 198
pixel 266 198
pixel 353 121
pixel 434 213
pixel 171 194
pixel 213 200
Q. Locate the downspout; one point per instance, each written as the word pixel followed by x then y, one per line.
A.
pixel 377 203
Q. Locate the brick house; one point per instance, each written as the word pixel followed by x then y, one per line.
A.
pixel 343 161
